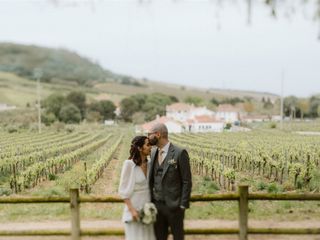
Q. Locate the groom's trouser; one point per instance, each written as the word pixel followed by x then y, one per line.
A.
pixel 166 218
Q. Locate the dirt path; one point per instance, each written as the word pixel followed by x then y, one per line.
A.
pixel 106 183
pixel 188 223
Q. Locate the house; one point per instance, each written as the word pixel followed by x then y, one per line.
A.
pixel 228 113
pixel 179 111
pixel 204 123
pixel 182 111
pixel 172 125
pixel 109 122
pixel 5 107
pixel 276 118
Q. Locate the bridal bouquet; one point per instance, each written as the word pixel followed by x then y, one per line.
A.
pixel 148 214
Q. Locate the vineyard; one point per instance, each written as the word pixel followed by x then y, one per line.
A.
pixel 288 160
pixel 79 158
pixel 90 158
pixel 28 159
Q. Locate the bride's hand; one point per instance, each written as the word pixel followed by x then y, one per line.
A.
pixel 135 214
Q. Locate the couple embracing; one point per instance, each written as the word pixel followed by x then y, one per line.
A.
pixel 156 192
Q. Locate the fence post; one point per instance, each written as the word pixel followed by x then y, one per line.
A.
pixel 243 212
pixel 86 187
pixel 14 169
pixel 75 214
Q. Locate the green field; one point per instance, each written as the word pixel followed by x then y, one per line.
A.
pixel 19 91
pixel 15 90
pixel 50 163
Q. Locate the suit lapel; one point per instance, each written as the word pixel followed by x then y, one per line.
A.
pixel 170 155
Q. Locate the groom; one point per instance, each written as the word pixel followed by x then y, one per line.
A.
pixel 170 183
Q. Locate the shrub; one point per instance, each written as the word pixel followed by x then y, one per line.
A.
pixel 273 188
pixel 261 186
pixel 5 192
pixel 12 129
pixel 52 177
pixel 70 114
pixel 70 128
pixel 273 125
pixel 48 118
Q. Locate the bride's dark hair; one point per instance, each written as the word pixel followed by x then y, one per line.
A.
pixel 136 143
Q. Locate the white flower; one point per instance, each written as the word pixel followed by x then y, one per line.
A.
pixel 172 162
pixel 147 219
pixel 148 213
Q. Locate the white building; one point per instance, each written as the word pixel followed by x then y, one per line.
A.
pixel 276 118
pixel 228 113
pixel 204 123
pixel 5 107
pixel 182 111
pixel 172 125
pixel 179 111
pixel 109 122
pixel 182 117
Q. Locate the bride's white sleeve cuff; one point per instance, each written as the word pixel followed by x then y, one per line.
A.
pixel 127 179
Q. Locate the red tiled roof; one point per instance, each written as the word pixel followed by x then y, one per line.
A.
pixel 203 119
pixel 179 107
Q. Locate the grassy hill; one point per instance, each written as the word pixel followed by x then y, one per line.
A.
pixel 56 64
pixel 65 71
pixel 19 91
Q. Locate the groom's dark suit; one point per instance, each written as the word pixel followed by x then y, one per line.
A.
pixel 170 185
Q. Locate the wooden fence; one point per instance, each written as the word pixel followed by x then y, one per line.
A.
pixel 243 197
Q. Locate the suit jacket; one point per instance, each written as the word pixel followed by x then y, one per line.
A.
pixel 176 178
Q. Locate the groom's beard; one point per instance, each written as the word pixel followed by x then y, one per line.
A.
pixel 154 141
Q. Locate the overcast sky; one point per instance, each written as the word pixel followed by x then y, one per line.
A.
pixel 188 42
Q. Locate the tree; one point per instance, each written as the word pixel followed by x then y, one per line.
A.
pixel 314 104
pixel 70 114
pixel 197 101
pixel 151 105
pixel 128 107
pixel 108 109
pixel 268 104
pixel 140 99
pixel 304 106
pixel 93 116
pixel 214 101
pixel 173 99
pixel 156 105
pixel 290 105
pixel 48 118
pixel 54 103
pixel 248 107
pixel 79 100
pixel 105 108
pixel 232 101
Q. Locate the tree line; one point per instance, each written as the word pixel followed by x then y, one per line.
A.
pixel 139 108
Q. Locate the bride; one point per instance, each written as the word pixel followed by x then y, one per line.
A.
pixel 134 189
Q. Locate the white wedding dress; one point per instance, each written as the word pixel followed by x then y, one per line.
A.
pixel 135 185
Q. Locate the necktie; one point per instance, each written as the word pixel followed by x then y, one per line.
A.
pixel 160 157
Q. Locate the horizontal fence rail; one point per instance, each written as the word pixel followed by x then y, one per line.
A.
pixel 242 196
